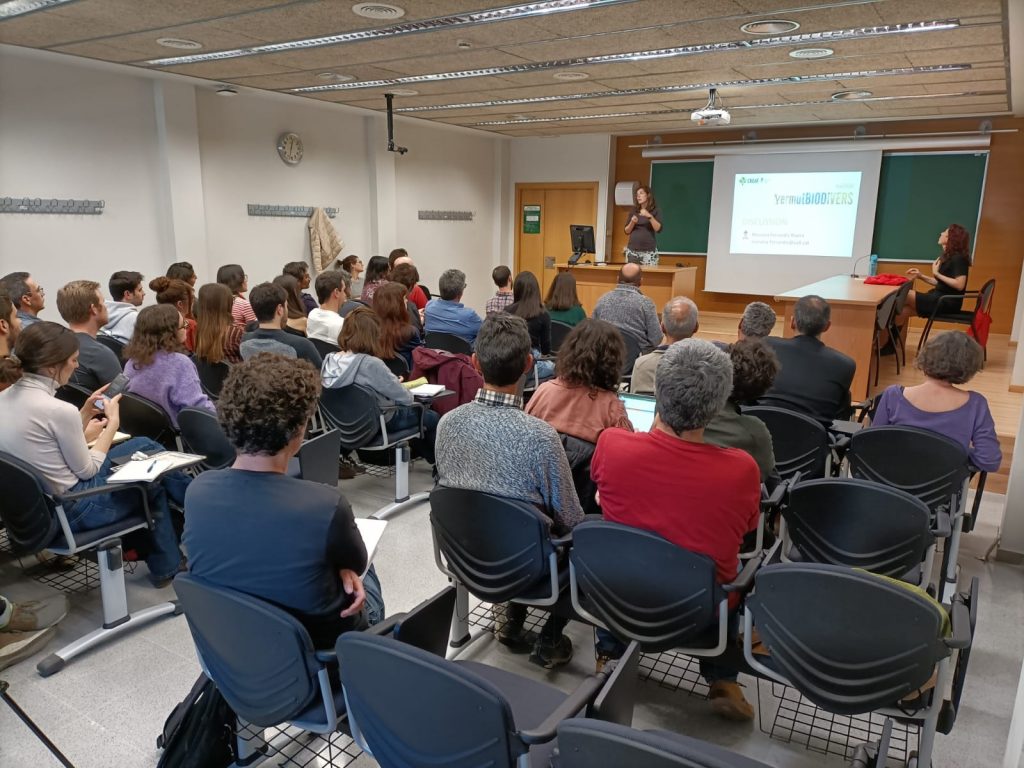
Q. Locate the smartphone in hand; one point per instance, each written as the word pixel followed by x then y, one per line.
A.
pixel 117 386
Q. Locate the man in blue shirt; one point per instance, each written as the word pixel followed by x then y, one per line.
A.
pixel 448 314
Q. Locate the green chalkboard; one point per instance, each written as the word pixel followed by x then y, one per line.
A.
pixel 919 195
pixel 682 191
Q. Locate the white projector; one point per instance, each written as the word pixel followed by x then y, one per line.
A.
pixel 711 116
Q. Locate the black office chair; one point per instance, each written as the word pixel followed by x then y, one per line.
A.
pixel 144 418
pixel 356 414
pixel 883 323
pixel 115 346
pixel 895 336
pixel 852 642
pixel 942 313
pixel 36 521
pixel 860 524
pixel 211 376
pixel 398 366
pixel 559 331
pixel 202 434
pixel 73 393
pixel 633 351
pixel 927 465
pixel 448 342
pixel 801 444
pixel 318 458
pixel 409 708
pixel 325 348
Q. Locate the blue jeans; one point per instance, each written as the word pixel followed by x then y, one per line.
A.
pixel 545 368
pixel 407 417
pixel 374 604
pixel 108 508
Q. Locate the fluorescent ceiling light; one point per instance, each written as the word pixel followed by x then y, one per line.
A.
pixel 455 20
pixel 12 8
pixel 661 53
pixel 764 81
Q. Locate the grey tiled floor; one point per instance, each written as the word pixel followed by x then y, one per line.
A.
pixel 107 708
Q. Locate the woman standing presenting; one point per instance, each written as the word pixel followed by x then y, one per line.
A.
pixel 644 222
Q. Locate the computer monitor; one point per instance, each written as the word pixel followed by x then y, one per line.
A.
pixel 582 238
pixel 640 409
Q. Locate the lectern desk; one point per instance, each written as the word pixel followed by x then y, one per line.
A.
pixel 659 283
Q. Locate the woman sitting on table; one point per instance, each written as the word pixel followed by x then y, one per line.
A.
pixel 643 224
pixel 562 302
pixel 157 369
pixel 949 276
pixel 939 406
pixel 360 362
pixel 54 438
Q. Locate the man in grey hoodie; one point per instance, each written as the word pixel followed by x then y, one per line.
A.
pixel 127 294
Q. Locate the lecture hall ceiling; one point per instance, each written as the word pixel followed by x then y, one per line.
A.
pixel 563 66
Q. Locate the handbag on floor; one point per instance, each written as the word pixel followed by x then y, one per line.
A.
pixel 200 731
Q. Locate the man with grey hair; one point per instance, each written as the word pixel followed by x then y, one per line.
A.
pixel 679 320
pixel 707 502
pixel 492 445
pixel 26 295
pixel 758 321
pixel 814 379
pixel 447 314
pixel 629 310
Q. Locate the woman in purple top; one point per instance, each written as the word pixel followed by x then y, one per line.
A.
pixel 156 368
pixel 939 406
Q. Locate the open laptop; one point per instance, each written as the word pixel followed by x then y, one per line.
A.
pixel 640 409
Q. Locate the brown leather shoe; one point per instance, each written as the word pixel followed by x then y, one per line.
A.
pixel 727 700
pixel 15 646
pixel 33 615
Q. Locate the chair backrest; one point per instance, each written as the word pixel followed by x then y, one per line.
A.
pixel 901 297
pixel 325 348
pixel 318 458
pixel 985 297
pixel 660 607
pixel 414 709
pixel 588 743
pixel 354 412
pixel 144 418
pixel 259 656
pixel 74 394
pixel 925 464
pixel 844 521
pixel 203 434
pixel 449 342
pixel 883 315
pixel 211 375
pixel 633 351
pixel 499 548
pixel 850 641
pixel 559 331
pixel 26 510
pixel 398 366
pixel 113 345
pixel 800 442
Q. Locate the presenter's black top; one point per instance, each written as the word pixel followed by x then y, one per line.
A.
pixel 957 265
pixel 278 538
pixel 642 236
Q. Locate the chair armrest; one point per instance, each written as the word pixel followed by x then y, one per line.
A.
pixel 386 627
pixel 745 580
pixel 942 527
pixel 327 656
pixel 950 297
pixel 960 618
pixel 839 442
pixel 584 694
pixel 562 542
pixel 114 488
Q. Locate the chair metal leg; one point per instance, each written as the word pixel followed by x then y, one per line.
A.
pixel 947 590
pixel 402 500
pixel 460 619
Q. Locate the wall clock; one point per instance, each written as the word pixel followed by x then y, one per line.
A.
pixel 289 147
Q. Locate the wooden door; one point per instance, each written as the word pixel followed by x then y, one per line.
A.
pixel 561 204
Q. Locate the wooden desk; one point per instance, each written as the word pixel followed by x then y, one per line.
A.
pixel 659 284
pixel 854 307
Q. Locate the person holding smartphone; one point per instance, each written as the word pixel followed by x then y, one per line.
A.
pixel 72 450
pixel 643 224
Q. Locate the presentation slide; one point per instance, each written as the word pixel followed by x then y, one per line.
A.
pixel 802 214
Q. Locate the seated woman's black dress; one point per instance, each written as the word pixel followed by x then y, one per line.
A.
pixel 955 266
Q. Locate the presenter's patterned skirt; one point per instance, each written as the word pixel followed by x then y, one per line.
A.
pixel 645 258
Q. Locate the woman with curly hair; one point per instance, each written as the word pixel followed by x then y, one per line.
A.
pixel 397 334
pixel 180 295
pixel 582 399
pixel 157 369
pixel 949 275
pixel 218 339
pixel 754 367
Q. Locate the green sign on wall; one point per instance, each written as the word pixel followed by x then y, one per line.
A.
pixel 531 219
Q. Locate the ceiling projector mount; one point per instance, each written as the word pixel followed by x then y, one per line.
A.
pixel 712 113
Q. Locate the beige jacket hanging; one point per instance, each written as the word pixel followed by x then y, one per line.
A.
pixel 324 243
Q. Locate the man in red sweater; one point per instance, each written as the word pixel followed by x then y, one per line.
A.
pixel 709 500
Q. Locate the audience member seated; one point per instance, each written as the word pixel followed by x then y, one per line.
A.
pixel 234 277
pixel 10 326
pixel 127 295
pixel 417 295
pixel 252 528
pixel 408 276
pixel 527 305
pixel 81 305
pixel 376 275
pixel 360 362
pixel 937 404
pixel 679 320
pixel 300 271
pixel 218 339
pixel 491 445
pixel 502 277
pixel 447 314
pixel 629 310
pixel 670 481
pixel 583 401
pixel 757 322
pixel 324 323
pixel 754 367
pixel 26 294
pixel 354 266
pixel 295 310
pixel 178 294
pixel 397 335
pixel 156 369
pixel 182 270
pixel 53 437
pixel 814 379
pixel 268 303
pixel 562 302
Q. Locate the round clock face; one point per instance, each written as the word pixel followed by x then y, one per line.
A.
pixel 289 147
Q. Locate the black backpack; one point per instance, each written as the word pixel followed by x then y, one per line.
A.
pixel 200 731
